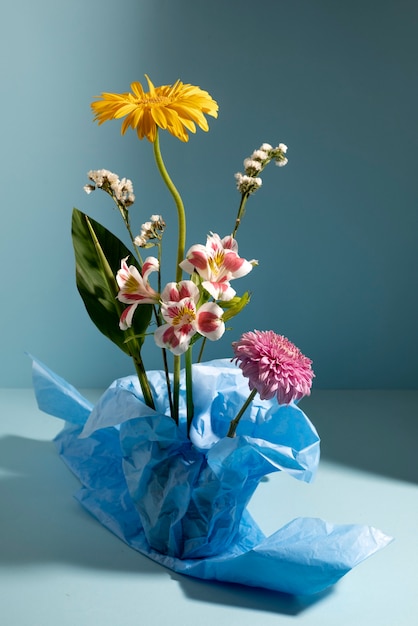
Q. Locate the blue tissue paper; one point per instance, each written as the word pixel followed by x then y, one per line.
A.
pixel 182 501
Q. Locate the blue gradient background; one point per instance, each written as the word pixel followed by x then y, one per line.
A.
pixel 335 231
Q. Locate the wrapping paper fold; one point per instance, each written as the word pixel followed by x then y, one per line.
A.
pixel 183 503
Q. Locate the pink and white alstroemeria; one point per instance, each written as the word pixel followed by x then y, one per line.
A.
pixel 184 318
pixel 217 263
pixel 135 289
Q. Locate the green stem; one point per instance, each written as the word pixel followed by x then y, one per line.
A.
pixel 167 380
pixel 202 347
pixel 181 214
pixel 143 381
pixel 240 214
pixel 138 254
pixel 189 388
pixel 234 423
pixel 125 216
pixel 159 322
pixel 176 388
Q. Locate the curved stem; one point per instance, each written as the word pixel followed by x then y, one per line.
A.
pixel 181 214
pixel 234 423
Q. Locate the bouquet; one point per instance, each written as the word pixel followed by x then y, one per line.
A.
pixel 169 459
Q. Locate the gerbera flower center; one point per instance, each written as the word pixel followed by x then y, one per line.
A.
pixel 153 100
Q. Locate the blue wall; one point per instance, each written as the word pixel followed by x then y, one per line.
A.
pixel 335 231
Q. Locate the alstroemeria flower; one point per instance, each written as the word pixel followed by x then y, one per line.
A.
pixel 184 318
pixel 217 263
pixel 135 289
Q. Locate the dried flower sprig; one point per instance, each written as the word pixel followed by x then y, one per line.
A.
pixel 151 232
pixel 120 190
pixel 249 182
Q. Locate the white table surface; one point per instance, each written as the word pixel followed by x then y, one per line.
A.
pixel 59 567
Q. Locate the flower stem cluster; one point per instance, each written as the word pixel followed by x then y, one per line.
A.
pixel 196 308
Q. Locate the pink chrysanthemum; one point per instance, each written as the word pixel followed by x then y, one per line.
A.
pixel 274 366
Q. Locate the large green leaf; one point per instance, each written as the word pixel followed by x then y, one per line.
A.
pixel 98 254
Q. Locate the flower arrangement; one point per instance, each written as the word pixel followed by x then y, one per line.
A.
pixel 169 459
pixel 184 311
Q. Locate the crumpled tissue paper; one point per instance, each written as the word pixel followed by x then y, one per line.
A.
pixel 182 502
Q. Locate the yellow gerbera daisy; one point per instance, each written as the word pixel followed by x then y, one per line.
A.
pixel 176 108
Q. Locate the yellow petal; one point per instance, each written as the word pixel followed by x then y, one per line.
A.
pixel 137 89
pixel 177 108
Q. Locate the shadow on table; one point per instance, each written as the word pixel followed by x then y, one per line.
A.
pixel 376 431
pixel 40 521
pixel 247 597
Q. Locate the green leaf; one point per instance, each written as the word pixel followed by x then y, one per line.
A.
pixel 98 254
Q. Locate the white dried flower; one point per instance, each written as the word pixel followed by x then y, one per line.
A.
pixel 282 162
pixel 266 147
pixel 120 190
pixel 252 166
pixel 150 230
pixel 278 154
pixel 140 241
pixel 247 184
pixel 259 155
